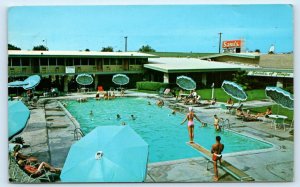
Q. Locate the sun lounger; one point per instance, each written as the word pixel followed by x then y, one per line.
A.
pixel 226 166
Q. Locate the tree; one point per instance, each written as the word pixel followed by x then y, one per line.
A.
pixel 257 50
pixel 40 48
pixel 12 47
pixel 86 50
pixel 242 79
pixel 107 49
pixel 146 48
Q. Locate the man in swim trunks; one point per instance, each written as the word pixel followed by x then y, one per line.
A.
pixel 190 117
pixel 216 151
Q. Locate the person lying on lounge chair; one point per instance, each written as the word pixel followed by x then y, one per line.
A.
pixel 265 114
pixel 37 170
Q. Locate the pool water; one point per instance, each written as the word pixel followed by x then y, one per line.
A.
pixel 157 126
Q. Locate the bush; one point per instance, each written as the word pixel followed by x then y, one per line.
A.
pixel 153 86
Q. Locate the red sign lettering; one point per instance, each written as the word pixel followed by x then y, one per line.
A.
pixel 232 44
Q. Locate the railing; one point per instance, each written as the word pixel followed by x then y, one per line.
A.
pixel 77 132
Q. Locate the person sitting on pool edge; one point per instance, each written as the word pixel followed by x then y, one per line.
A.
pixel 216 151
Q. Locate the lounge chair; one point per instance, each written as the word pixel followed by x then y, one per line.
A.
pixel 278 122
pixel 161 91
pixel 224 108
pixel 167 93
pixel 18 175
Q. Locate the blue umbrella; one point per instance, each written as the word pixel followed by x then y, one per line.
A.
pixel 84 79
pixel 32 82
pixel 120 79
pixel 17 84
pixel 234 90
pixel 107 154
pixel 281 97
pixel 18 115
pixel 186 83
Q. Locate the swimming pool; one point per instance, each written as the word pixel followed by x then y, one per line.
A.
pixel 157 126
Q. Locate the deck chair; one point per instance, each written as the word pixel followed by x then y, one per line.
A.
pixel 278 122
pixel 18 175
pixel 161 91
pixel 167 93
pixel 224 108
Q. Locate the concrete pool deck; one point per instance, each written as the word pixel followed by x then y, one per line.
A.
pixel 50 132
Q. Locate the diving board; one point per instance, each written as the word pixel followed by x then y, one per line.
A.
pixel 226 166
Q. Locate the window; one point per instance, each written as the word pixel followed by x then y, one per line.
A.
pixel 16 61
pixel 77 61
pixel 132 61
pixel 106 61
pixel 84 61
pixel 60 61
pixel 69 61
pixel 44 61
pixel 52 61
pixel 92 61
pixel 25 61
pixel 119 61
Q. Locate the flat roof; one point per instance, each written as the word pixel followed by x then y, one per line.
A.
pixel 241 55
pixel 78 53
pixel 174 65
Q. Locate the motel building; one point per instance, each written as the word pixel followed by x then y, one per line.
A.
pixel 60 68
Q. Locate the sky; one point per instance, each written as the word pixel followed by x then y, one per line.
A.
pixel 166 28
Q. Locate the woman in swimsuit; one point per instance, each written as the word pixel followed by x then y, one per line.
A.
pixel 190 117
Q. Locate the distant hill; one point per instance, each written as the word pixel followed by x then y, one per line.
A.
pixel 180 54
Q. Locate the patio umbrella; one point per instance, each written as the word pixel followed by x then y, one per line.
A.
pixel 234 90
pixel 32 81
pixel 18 115
pixel 120 79
pixel 281 97
pixel 107 154
pixel 16 84
pixel 186 83
pixel 84 79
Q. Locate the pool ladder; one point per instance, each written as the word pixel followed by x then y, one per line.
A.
pixel 225 123
pixel 78 132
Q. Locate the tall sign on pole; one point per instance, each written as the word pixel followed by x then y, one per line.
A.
pixel 220 38
pixel 125 43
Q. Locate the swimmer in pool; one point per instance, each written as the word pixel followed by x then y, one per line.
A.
pixel 190 117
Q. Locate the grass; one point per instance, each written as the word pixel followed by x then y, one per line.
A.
pixel 222 96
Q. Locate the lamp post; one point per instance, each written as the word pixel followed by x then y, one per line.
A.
pixel 220 38
pixel 212 90
pixel 125 43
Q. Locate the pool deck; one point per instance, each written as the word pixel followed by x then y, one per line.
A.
pixel 50 133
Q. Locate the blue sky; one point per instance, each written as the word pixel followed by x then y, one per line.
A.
pixel 166 28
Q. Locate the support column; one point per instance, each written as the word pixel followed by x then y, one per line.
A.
pixel 204 79
pixel 96 82
pixel 166 78
pixel 66 80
